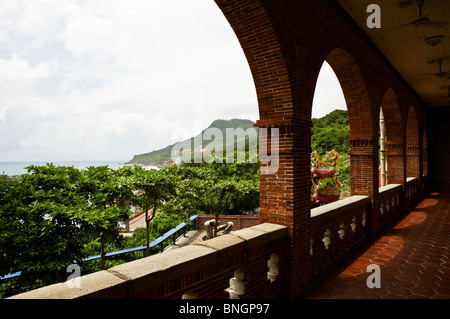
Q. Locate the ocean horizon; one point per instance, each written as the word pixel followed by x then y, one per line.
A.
pixel 18 168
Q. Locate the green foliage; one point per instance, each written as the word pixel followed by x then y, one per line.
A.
pixel 54 216
pixel 220 188
pixel 49 215
pixel 160 225
pixel 228 188
pixel 155 188
pixel 331 132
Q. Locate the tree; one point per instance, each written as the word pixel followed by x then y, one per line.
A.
pixel 107 197
pixel 221 188
pixel 155 187
pixel 43 237
pixel 48 216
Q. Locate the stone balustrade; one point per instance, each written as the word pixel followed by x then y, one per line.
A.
pixel 411 191
pixel 390 203
pixel 337 227
pixel 243 264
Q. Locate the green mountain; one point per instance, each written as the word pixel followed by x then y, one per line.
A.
pixel 331 132
pixel 158 157
pixel 328 133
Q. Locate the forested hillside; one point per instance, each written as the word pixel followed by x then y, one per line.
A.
pixel 331 132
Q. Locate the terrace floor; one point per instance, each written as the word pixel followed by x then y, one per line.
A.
pixel 413 259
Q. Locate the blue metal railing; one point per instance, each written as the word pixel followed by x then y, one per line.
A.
pixel 158 241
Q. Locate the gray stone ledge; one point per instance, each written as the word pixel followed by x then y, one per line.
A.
pixel 102 284
pixel 157 269
pixel 389 187
pixel 338 207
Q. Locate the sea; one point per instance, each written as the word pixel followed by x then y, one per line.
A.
pixel 19 168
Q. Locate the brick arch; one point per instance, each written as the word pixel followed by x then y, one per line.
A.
pixel 393 119
pixel 355 92
pixel 412 144
pixel 363 144
pixel 253 27
pixel 258 39
pixel 394 136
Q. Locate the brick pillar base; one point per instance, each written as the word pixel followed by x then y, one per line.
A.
pixel 396 164
pixel 412 165
pixel 364 176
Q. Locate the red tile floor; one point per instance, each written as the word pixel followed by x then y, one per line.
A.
pixel 413 259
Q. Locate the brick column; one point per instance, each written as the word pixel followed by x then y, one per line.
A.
pixel 396 164
pixel 412 161
pixel 285 199
pixel 364 175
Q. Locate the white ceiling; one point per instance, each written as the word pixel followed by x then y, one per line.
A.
pixel 405 47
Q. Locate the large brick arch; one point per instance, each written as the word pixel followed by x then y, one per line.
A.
pixel 355 67
pixel 254 30
pixel 412 144
pixel 394 135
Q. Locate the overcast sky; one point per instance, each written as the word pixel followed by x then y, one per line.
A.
pixel 105 79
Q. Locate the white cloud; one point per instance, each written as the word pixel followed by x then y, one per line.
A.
pixel 17 75
pixel 105 79
pixel 87 33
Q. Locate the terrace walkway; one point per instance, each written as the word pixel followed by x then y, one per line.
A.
pixel 413 256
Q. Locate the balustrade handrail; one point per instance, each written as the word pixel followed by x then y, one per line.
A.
pixel 389 187
pixel 337 207
pixel 159 241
